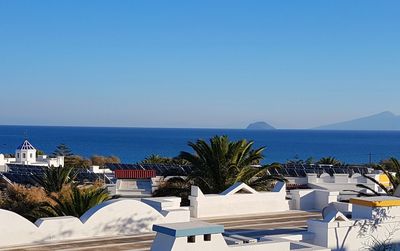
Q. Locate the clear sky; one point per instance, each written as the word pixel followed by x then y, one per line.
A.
pixel 295 64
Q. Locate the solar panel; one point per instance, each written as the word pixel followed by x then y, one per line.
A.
pixel 25 174
pixel 302 173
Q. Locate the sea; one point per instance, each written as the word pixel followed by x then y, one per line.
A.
pixel 132 145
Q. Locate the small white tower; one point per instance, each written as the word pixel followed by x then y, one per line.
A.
pixel 25 153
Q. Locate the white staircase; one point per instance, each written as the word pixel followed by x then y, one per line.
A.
pixel 134 188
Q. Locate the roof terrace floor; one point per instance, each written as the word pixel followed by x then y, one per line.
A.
pixel 248 225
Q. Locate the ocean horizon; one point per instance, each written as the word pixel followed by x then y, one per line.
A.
pixel 133 144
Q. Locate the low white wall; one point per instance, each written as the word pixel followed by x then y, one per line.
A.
pixel 2 160
pixel 369 227
pixel 111 218
pixel 297 180
pixel 311 199
pixel 352 235
pixel 341 182
pixel 230 202
pixel 168 239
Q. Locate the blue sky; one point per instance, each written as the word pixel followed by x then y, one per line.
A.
pixel 295 64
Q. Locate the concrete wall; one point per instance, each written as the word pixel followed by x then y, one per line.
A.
pixel 172 241
pixel 57 161
pixel 370 226
pixel 352 235
pixel 311 199
pixel 97 169
pixel 341 182
pixel 230 202
pixel 25 156
pixel 111 218
pixel 2 160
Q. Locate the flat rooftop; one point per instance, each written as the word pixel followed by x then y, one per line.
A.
pixel 253 226
pixel 378 201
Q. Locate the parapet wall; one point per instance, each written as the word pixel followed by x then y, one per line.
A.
pixel 370 228
pixel 233 202
pixel 111 218
pixel 341 182
pixel 312 199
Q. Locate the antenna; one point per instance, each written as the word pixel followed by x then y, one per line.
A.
pixel 26 134
pixel 370 158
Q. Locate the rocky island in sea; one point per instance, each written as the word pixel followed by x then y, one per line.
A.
pixel 261 125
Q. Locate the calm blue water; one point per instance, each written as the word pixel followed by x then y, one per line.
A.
pixel 134 144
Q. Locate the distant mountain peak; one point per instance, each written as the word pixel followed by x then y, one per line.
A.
pixel 385 113
pixel 260 125
pixel 381 121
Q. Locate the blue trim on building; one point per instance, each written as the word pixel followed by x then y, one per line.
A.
pixel 188 231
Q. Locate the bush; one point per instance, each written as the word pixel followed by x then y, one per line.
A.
pixel 31 203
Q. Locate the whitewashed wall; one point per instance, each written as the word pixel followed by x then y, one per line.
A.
pixel 230 202
pixel 312 199
pixel 111 218
pixel 354 235
pixel 170 242
pixel 341 182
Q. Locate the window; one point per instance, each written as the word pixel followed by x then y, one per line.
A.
pixel 30 155
pixel 191 239
pixel 207 237
pixel 23 155
pixel 18 155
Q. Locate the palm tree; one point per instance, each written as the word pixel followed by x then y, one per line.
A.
pixel 258 177
pixel 157 159
pixel 329 161
pixel 221 162
pixel 55 178
pixel 78 200
pixel 394 179
pixel 175 186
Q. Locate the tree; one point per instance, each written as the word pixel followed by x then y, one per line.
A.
pixel 389 165
pixel 394 166
pixel 62 150
pixel 102 160
pixel 78 200
pixel 295 160
pixel 220 163
pixel 157 159
pixel 76 161
pixel 71 160
pixel 40 152
pixel 329 161
pixel 55 178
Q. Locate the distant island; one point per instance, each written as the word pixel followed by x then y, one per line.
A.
pixel 261 125
pixel 381 121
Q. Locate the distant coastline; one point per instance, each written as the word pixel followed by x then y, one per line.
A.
pixel 134 144
pixel 384 121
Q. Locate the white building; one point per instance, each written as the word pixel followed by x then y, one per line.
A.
pixel 203 236
pixel 25 154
